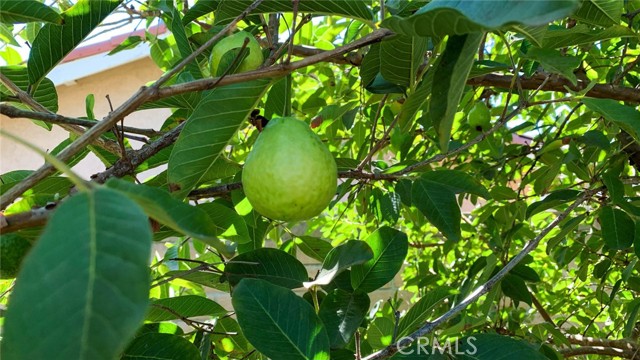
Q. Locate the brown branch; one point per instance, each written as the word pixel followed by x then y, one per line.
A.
pixel 274 71
pixel 140 97
pixel 28 219
pixel 14 112
pixel 589 341
pixel 559 84
pixel 600 350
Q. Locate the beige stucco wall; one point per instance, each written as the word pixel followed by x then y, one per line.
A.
pixel 119 83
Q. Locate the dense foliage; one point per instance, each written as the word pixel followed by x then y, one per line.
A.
pixel 488 156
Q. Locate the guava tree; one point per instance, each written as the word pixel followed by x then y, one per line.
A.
pixel 487 155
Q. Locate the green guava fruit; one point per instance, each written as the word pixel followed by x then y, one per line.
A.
pixel 13 249
pixel 253 60
pixel 289 174
pixel 479 117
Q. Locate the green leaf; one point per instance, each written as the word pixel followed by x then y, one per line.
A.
pixel 45 93
pixel 627 117
pixel 97 282
pixel 234 343
pixel 420 311
pixel 352 252
pixel 372 79
pixel 181 307
pixel 159 205
pixel 449 79
pixel 313 247
pixel 279 98
pixel 414 102
pixel 552 200
pixel 54 42
pixel 278 323
pixel 174 23
pixel 228 224
pixel 438 204
pixel 457 181
pixel 400 58
pixel 555 62
pixel 496 347
pixel 209 129
pixel 25 11
pixel 160 346
pixel 7 36
pixel 618 229
pixel 342 313
pixel 453 17
pixel 390 248
pixel 600 12
pixel 582 34
pixel 514 287
pixel 273 265
pixel 357 9
pixel 128 43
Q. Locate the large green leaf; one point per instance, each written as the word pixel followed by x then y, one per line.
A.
pixel 160 346
pixel 554 61
pixel 582 34
pixel 54 42
pixel 24 11
pixel 159 205
pixel 390 247
pixel 438 204
pixel 174 23
pixel 88 274
pixel 278 323
pixel 457 181
pixel 229 225
pixel 342 313
pixel 514 287
pixel 600 12
pixel 229 9
pixel 496 347
pixel 449 79
pixel 209 129
pixel 278 101
pixel 353 252
pixel 420 311
pixel 400 58
pixel 414 102
pixel 313 247
pixel 457 17
pixel 627 117
pixel 372 79
pixel 185 306
pixel 45 93
pixel 618 229
pixel 552 200
pixel 273 265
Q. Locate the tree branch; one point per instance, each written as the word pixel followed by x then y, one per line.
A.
pixel 483 289
pixel 600 350
pixel 14 112
pixel 560 84
pixel 141 96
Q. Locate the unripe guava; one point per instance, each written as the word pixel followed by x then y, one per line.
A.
pixel 253 60
pixel 479 117
pixel 289 174
pixel 13 249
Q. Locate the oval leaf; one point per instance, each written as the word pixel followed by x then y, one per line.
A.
pixel 272 265
pixel 159 346
pixel 278 323
pixel 438 204
pixel 88 274
pixel 389 247
pixel 353 252
pixel 618 229
pixel 14 12
pixel 342 313
pixel 181 307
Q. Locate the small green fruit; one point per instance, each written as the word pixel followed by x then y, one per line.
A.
pixel 13 248
pixel 479 117
pixel 253 60
pixel 290 174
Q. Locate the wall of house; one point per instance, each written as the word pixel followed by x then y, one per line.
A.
pixel 119 83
